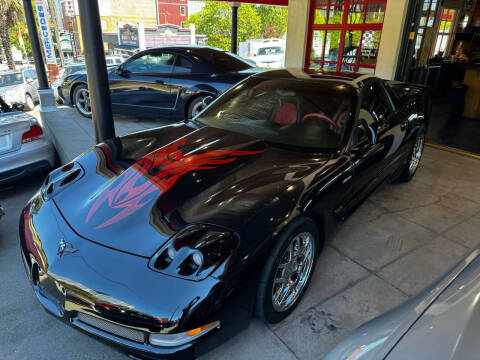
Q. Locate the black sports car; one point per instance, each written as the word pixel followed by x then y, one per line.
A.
pixel 169 83
pixel 145 240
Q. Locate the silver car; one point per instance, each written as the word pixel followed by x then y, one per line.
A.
pixel 24 149
pixel 441 323
pixel 20 87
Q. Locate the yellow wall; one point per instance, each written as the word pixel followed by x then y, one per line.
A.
pixel 126 12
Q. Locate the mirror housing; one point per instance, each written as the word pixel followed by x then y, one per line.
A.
pixel 372 137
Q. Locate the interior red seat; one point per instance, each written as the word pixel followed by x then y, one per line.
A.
pixel 286 114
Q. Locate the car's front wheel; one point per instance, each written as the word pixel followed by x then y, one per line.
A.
pixel 288 270
pixel 81 100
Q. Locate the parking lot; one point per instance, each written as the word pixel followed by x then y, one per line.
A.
pixel 395 244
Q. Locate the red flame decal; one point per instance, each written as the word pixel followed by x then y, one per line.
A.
pixel 168 164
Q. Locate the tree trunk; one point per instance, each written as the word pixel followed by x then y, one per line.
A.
pixel 6 41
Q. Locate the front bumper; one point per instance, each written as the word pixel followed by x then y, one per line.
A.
pixel 117 290
pixel 32 157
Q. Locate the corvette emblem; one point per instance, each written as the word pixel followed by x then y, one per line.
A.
pixel 155 174
pixel 65 248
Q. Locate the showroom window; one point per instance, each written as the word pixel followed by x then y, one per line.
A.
pixel 182 10
pixel 445 30
pixel 345 35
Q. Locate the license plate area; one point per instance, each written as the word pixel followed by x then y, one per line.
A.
pixel 5 142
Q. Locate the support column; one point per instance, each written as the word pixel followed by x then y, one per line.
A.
pixel 297 33
pixel 234 45
pixel 96 70
pixel 35 43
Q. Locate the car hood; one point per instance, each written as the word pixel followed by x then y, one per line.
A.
pixel 139 190
pixel 5 89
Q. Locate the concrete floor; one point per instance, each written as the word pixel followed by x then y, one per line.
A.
pixel 396 243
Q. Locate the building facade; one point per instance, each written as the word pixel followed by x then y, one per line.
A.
pixel 172 12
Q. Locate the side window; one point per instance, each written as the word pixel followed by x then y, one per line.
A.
pixel 375 107
pixel 159 63
pixel 182 65
pixel 27 75
pixel 33 74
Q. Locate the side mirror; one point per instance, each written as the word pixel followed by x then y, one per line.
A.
pixel 369 132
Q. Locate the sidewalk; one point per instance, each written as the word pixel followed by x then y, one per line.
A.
pixel 72 133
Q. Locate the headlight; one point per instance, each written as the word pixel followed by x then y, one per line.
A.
pixel 195 252
pixel 172 340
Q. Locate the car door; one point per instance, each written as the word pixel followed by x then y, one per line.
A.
pixel 31 83
pixel 142 85
pixel 371 142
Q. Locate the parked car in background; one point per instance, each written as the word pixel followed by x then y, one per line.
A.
pixel 20 87
pixel 112 60
pixel 266 53
pixel 169 83
pixel 69 69
pixel 247 193
pixel 441 323
pixel 24 149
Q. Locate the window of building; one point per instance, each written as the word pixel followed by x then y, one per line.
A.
pixel 182 11
pixel 445 30
pixel 427 20
pixel 345 35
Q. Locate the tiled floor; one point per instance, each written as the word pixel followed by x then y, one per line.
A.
pixel 396 243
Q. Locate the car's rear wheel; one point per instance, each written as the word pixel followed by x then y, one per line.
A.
pixel 415 156
pixel 29 104
pixel 196 106
pixel 81 100
pixel 288 270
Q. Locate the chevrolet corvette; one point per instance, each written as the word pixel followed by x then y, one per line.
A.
pixel 145 239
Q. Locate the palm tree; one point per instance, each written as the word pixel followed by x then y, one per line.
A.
pixel 11 12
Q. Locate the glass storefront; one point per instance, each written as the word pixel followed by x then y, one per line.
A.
pixel 345 35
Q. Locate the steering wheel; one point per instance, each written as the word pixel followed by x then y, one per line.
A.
pixel 323 117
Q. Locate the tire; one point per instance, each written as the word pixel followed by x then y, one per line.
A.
pixel 29 104
pixel 269 306
pixel 196 106
pixel 414 157
pixel 81 100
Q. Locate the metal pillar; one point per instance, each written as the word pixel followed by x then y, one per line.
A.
pixel 233 47
pixel 35 42
pixel 96 70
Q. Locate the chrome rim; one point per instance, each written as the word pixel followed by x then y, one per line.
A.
pixel 293 271
pixel 83 101
pixel 416 153
pixel 197 108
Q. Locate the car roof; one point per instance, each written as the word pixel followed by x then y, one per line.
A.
pixel 354 79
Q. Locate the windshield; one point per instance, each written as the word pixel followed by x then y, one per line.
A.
pixel 274 50
pixel 226 61
pixel 11 79
pixel 314 115
pixel 73 69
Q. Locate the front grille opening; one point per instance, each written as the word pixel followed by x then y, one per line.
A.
pixel 112 328
pixel 188 267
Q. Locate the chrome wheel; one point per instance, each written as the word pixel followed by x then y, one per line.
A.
pixel 416 153
pixel 82 101
pixel 197 108
pixel 293 271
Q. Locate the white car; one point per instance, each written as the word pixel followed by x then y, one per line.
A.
pixel 20 87
pixel 24 149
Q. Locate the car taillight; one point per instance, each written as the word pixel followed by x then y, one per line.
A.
pixel 34 132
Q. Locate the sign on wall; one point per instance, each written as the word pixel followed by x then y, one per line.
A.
pixel 66 42
pixel 44 33
pixel 128 35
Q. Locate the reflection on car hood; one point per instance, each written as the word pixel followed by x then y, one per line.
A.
pixel 140 189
